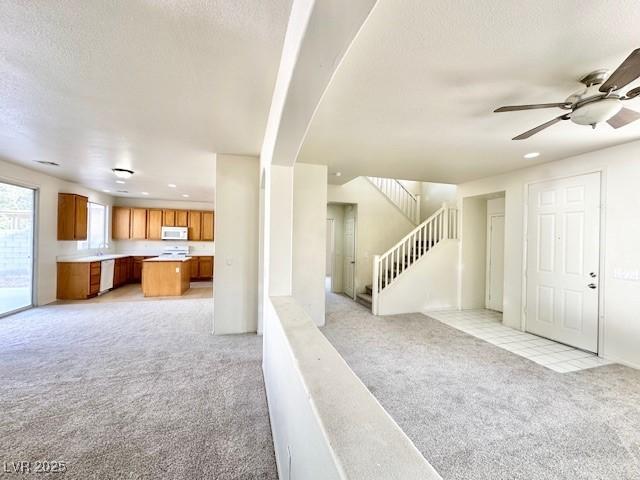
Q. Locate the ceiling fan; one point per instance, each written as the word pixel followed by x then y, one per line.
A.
pixel 598 102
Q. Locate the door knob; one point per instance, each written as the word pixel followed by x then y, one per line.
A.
pixel 592 285
pixel 592 274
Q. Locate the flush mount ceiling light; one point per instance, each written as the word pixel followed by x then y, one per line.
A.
pixel 144 193
pixel 121 182
pixel 122 172
pixel 46 162
pixel 172 185
pixel 532 155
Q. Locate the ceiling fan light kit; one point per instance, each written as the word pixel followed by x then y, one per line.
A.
pixel 598 102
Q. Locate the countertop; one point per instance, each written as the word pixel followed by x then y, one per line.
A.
pixel 100 258
pixel 167 259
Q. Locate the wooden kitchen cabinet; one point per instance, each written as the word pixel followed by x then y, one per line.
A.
pixel 182 218
pixel 194 265
pixel 169 218
pixel 207 226
pixel 122 271
pixel 121 223
pixel 78 281
pixel 72 216
pixel 195 225
pixel 205 268
pixel 154 224
pixel 138 224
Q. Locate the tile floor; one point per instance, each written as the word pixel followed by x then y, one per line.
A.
pixel 487 325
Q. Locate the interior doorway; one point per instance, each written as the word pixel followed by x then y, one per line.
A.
pixel 342 231
pixel 17 225
pixel 495 254
pixel 563 257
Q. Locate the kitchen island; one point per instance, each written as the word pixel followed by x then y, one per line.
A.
pixel 165 276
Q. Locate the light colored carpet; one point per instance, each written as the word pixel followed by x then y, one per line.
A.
pixel 477 411
pixel 137 390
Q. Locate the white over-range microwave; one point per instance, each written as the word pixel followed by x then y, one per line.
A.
pixel 174 233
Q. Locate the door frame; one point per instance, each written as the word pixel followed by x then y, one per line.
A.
pixel 355 252
pixel 34 241
pixel 331 225
pixel 601 244
pixel 487 289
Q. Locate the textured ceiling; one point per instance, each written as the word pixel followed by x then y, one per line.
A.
pixel 155 86
pixel 414 97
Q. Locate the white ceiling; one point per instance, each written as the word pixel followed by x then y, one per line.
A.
pixel 157 86
pixel 414 96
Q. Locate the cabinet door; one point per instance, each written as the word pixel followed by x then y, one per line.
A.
pixel 66 216
pixel 205 268
pixel 121 223
pixel 154 224
pixel 136 274
pixel 138 223
pixel 169 218
pixel 195 267
pixel 182 218
pixel 81 214
pixel 195 224
pixel 207 225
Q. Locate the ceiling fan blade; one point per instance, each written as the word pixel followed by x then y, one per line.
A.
pixel 623 117
pixel 514 108
pixel 626 73
pixel 632 93
pixel 539 128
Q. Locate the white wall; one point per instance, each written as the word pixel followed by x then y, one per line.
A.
pixel 380 225
pixel 433 195
pixel 473 252
pixel 336 213
pixel 309 238
pixel 619 287
pixel 152 247
pixel 47 246
pixel 236 260
pixel 430 284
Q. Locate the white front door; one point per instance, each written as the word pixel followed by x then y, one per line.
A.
pixel 349 255
pixel 495 262
pixel 563 249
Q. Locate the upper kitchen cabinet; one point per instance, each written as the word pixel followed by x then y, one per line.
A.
pixel 182 218
pixel 195 225
pixel 72 216
pixel 207 225
pixel 138 223
pixel 121 223
pixel 154 224
pixel 169 218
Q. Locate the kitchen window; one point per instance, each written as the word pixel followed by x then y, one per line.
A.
pixel 97 228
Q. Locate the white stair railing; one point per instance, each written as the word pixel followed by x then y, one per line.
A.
pixel 442 225
pixel 408 203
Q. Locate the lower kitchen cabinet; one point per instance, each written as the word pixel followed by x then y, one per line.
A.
pixel 122 271
pixel 201 268
pixel 78 281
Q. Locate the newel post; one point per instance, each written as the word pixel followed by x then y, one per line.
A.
pixel 375 284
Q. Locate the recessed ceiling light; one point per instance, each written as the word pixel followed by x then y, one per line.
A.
pixel 172 185
pixel 122 172
pixel 532 155
pixel 185 195
pixel 106 190
pixel 121 182
pixel 144 193
pixel 49 164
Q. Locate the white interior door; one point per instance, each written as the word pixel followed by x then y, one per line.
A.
pixel 349 255
pixel 495 262
pixel 563 245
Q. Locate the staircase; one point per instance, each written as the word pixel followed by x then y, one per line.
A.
pixel 396 193
pixel 388 267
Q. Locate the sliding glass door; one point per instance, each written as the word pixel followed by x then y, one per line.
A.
pixel 17 207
